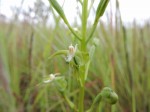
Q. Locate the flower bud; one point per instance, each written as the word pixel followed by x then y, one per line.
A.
pixel 108 95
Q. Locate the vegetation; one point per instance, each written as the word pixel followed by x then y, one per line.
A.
pixel 121 61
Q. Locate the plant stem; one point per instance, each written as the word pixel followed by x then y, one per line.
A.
pixel 81 92
pixel 92 31
pixel 71 104
pixel 83 49
pixel 81 99
pixel 84 23
pixel 97 98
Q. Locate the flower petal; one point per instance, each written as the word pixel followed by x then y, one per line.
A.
pixel 47 81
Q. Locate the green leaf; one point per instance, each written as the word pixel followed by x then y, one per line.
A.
pixel 59 10
pixel 92 51
pixel 101 8
pixel 96 41
pixel 87 69
pixel 60 52
pixel 60 83
pixel 99 12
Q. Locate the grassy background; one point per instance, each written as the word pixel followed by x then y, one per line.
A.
pixel 121 61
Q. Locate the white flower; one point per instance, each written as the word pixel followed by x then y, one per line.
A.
pixel 50 78
pixel 71 53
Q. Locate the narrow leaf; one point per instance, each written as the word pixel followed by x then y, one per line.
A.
pixel 101 8
pixel 58 53
pixel 58 8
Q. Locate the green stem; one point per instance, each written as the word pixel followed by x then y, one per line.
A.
pixel 92 31
pixel 84 24
pixel 73 32
pixel 83 49
pixel 97 99
pixel 71 104
pixel 81 99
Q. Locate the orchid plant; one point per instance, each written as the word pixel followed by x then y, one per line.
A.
pixel 80 56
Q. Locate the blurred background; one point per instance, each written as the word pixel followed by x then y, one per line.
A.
pixel 30 31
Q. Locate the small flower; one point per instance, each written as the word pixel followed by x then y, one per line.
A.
pixel 71 53
pixel 50 78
